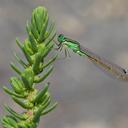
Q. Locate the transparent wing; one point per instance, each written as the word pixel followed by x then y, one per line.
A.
pixel 105 65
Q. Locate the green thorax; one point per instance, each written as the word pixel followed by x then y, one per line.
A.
pixel 71 44
pixel 74 45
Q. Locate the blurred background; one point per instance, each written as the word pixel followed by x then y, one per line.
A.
pixel 87 97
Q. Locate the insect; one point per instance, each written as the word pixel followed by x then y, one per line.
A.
pixel 101 62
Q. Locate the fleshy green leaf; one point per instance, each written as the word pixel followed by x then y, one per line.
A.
pixel 39 79
pixel 31 29
pixel 14 114
pixel 33 42
pixel 49 62
pixel 20 61
pixel 23 103
pixel 36 65
pixel 15 68
pixel 41 93
pixel 12 93
pixel 48 49
pixel 17 85
pixel 9 122
pixel 28 78
pixel 49 109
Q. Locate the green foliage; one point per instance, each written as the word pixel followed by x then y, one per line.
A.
pixel 35 48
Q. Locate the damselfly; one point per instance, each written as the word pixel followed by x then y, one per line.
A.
pixel 104 64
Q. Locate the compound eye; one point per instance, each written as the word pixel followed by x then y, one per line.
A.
pixel 61 38
pixel 61 35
